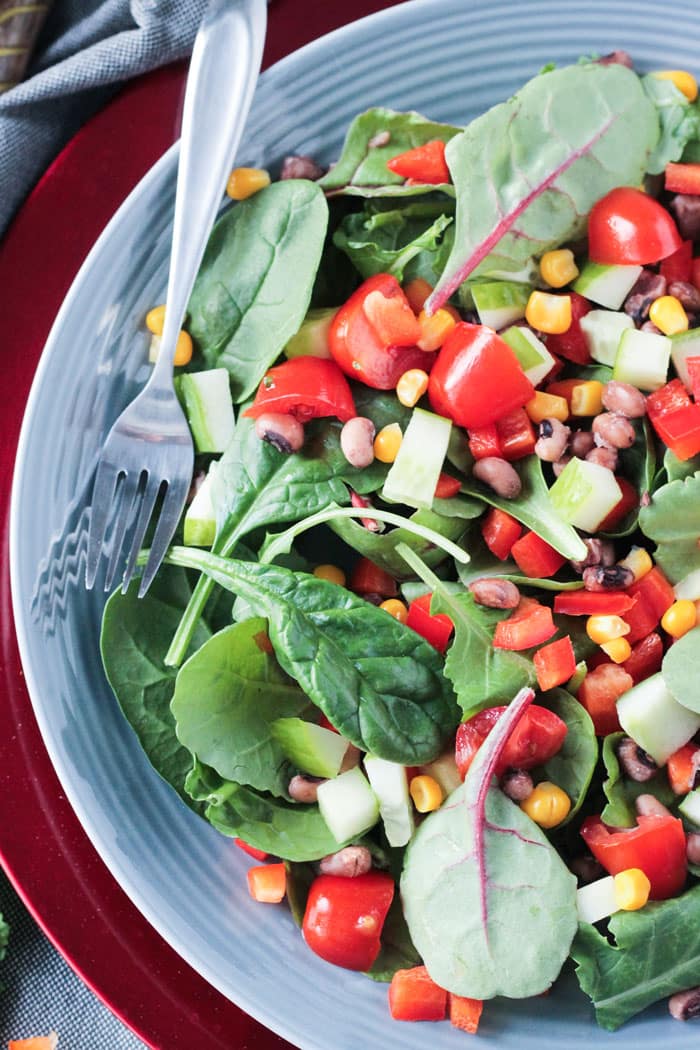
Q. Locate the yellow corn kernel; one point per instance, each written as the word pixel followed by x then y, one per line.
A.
pixel 183 349
pixel 387 443
pixel 668 315
pixel 331 573
pixel 547 406
pixel 683 80
pixel 638 561
pixel 435 329
pixel 155 319
pixel 631 888
pixel 558 268
pixel 549 313
pixel 395 608
pixel 547 805
pixel 619 650
pixel 680 618
pixel 411 386
pixel 602 628
pixel 426 793
pixel 587 398
pixel 244 182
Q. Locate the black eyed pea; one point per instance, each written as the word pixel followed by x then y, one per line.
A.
pixel 495 593
pixel 613 430
pixel 560 464
pixel 348 862
pixel 499 475
pixel 624 399
pixel 284 432
pixel 580 443
pixel 357 441
pixel 604 457
pixel 304 789
pixel 552 439
pixel 683 1006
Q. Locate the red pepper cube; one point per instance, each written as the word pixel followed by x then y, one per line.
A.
pixel 554 663
pixel 680 430
pixel 668 398
pixel 252 851
pixel 516 434
pixel 465 1013
pixel 414 996
pixel 599 692
pixel 682 178
pixel 592 603
pixel 656 846
pixel 682 768
pixel 500 531
pixel 447 486
pixel 679 265
pixel 368 578
pixel 692 364
pixel 654 591
pixel 527 626
pixel 483 442
pixel 434 628
pixel 645 658
pixel 536 558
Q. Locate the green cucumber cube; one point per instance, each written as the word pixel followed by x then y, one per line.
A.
pixel 390 784
pixel 606 285
pixel 499 303
pixel 199 526
pixel 597 900
pixel 533 356
pixel 348 805
pixel 444 770
pixel 584 494
pixel 309 747
pixel 650 714
pixel 603 330
pixel 689 587
pixel 642 359
pixel 312 338
pixel 683 346
pixel 415 471
pixel 690 807
pixel 206 398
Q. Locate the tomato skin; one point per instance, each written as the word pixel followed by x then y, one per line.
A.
pixel 572 344
pixel 344 917
pixel 377 349
pixel 304 387
pixel 628 227
pixel 656 845
pixel 476 378
pixel 535 739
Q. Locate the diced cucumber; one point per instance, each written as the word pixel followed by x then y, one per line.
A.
pixel 606 285
pixel 499 303
pixel 642 359
pixel 153 349
pixel 390 784
pixel 689 586
pixel 603 330
pixel 415 471
pixel 683 346
pixel 444 770
pixel 206 398
pixel 655 720
pixel 348 805
pixel 311 748
pixel 690 807
pixel 597 900
pixel 585 493
pixel 533 356
pixel 312 338
pixel 199 526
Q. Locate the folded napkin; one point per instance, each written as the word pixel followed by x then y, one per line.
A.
pixel 84 51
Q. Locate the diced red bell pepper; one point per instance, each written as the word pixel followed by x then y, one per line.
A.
pixel 422 164
pixel 304 387
pixel 653 590
pixel 679 266
pixel 692 364
pixel 668 398
pixel 682 178
pixel 627 502
pixel 592 603
pixel 535 557
pixel 516 434
pixel 695 272
pixel 500 531
pixel 528 625
pixel 680 430
pixel 465 1013
pixel 414 996
pixel 537 737
pixel 641 620
pixel 656 845
pixel 368 578
pixel 599 692
pixel 555 663
pixel 572 344
pixel 447 486
pixel 483 442
pixel 344 917
pixel 436 628
pixel 645 658
pixel 267 883
pixel 257 854
pixel 682 768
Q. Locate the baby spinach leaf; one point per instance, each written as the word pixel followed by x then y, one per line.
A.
pixel 680 668
pixel 4 937
pixel 482 850
pixel 254 285
pixel 397 951
pixel 656 953
pixel 573 766
pixel 678 469
pixel 226 696
pixel 379 683
pixel 483 563
pixel 672 521
pixel 362 170
pixel 621 791
pixel 638 465
pixel 528 171
pixel 299 879
pixel 390 241
pixel 285 829
pixel 679 122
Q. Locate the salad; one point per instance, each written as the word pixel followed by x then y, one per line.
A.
pixel 425 647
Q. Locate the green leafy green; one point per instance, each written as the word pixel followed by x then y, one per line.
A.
pixel 656 953
pixel 679 670
pixel 638 465
pixel 226 696
pixel 483 563
pixel 299 879
pixel 573 766
pixel 679 122
pixel 672 521
pixel 677 469
pixel 380 684
pixel 254 285
pixel 405 242
pixel 397 951
pixel 483 851
pixel 621 792
pixel 528 171
pixel 4 937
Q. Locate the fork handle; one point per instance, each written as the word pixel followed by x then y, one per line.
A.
pixel 220 84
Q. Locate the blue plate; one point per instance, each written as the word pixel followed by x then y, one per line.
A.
pixel 450 60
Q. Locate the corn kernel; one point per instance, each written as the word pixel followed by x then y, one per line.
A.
pixel 155 319
pixel 435 329
pixel 680 618
pixel 426 793
pixel 547 406
pixel 244 182
pixel 602 628
pixel 638 561
pixel 619 650
pixel 684 81
pixel 631 888
pixel 411 386
pixel 387 443
pixel 331 573
pixel 549 313
pixel 183 349
pixel 547 805
pixel 395 608
pixel 558 268
pixel 587 398
pixel 668 315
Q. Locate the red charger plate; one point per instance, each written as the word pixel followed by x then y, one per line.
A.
pixel 43 848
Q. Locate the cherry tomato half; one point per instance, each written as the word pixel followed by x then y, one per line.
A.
pixel 536 738
pixel 344 917
pixel 305 387
pixel 628 227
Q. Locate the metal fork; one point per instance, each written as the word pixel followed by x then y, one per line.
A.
pixel 149 449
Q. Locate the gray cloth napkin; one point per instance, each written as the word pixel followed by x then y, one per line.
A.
pixel 86 49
